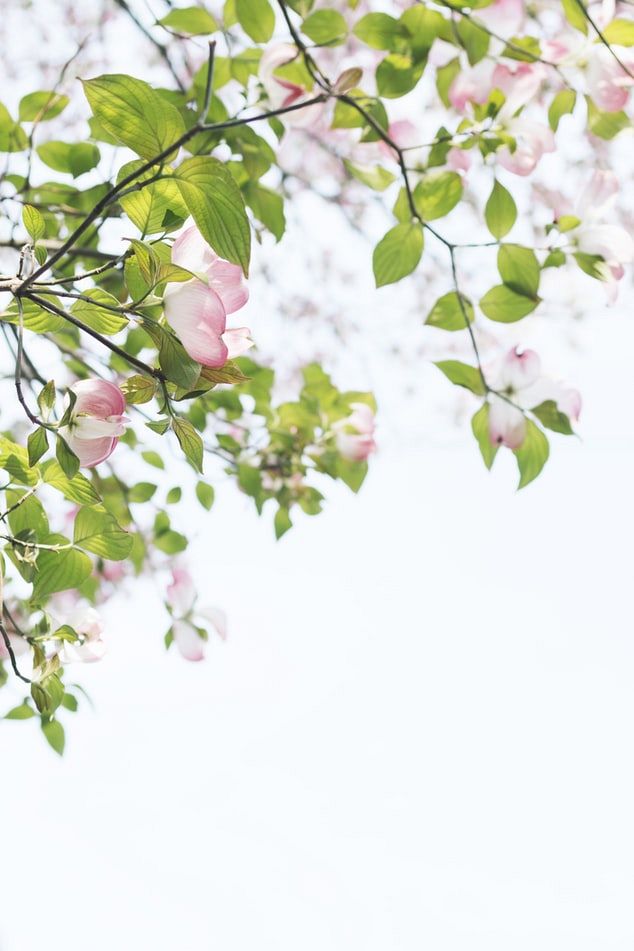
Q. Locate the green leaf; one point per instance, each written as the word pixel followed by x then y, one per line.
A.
pixel 79 490
pixel 205 494
pixel 151 207
pixel 189 440
pixel 96 315
pixel 174 495
pixel 267 206
pixel 190 21
pixel 500 211
pixel 619 32
pixel 153 459
pixel 505 305
pixel 462 375
pixel 519 269
pixel 379 30
pixel 138 388
pixel 47 694
pixel 142 492
pixel 374 176
pixel 480 428
pixel 59 570
pixel 14 459
pixel 28 514
pixel 550 416
pixel 532 454
pixel 67 459
pixel 37 444
pixel 33 222
pixel 437 194
pixel 73 158
pixel 216 205
pixel 134 113
pixel 282 522
pixel 97 531
pixel 176 363
pixel 575 15
pixel 606 125
pixel 55 736
pixel 12 136
pixel 397 75
pixel 325 27
pixel 41 106
pixel 562 104
pixel 256 18
pixel 397 253
pixel 474 40
pixel 22 712
pixel 451 312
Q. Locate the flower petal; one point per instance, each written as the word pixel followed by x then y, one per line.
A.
pixel 196 314
pixel 188 640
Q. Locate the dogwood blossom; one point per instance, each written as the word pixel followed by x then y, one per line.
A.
pixel 96 421
pixel 354 435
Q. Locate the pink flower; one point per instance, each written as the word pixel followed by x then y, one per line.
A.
pixel 91 648
pixel 532 140
pixel 506 17
pixel 187 638
pixel 181 592
pixel 282 92
pixel 473 84
pixel 197 309
pixel 519 382
pixel 404 134
pixel 354 435
pixel 608 83
pixel 96 422
pixel 458 160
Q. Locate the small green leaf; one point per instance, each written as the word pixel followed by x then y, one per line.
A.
pixel 59 570
pixel 562 104
pixel 205 494
pixel 190 21
pixel 519 269
pixel 532 454
pixel 379 30
pixel 500 211
pixel 22 712
pixel 33 222
pixel 55 736
pixel 620 32
pixel 325 27
pixel 142 492
pixel 189 440
pixel 97 531
pixel 282 522
pixel 72 158
pixel 41 106
pixel 256 18
pixel 451 312
pixel 138 388
pixel 505 305
pixel 462 375
pixel 67 459
pixel 153 459
pixel 37 444
pixel 374 176
pixel 550 416
pixel 437 194
pixel 46 400
pixel 480 428
pixel 397 254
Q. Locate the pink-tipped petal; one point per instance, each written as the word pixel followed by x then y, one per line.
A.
pixel 98 398
pixel 237 341
pixel 507 425
pixel 227 280
pixel 90 452
pixel 196 315
pixel 188 641
pixel 520 368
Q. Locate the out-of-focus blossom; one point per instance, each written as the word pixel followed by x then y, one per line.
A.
pixel 608 83
pixel 87 623
pixel 282 92
pixel 532 141
pixel 472 85
pixel 519 382
pixel 458 160
pixel 96 422
pixel 505 17
pixel 181 597
pixel 354 435
pixel 197 309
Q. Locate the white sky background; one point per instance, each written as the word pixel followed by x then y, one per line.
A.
pixel 419 732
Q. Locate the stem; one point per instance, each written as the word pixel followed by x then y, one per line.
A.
pixel 11 653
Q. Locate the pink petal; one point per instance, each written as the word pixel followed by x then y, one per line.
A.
pixel 98 398
pixel 191 251
pixel 196 314
pixel 519 369
pixel 227 280
pixel 507 426
pixel 188 641
pixel 90 452
pixel 237 341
